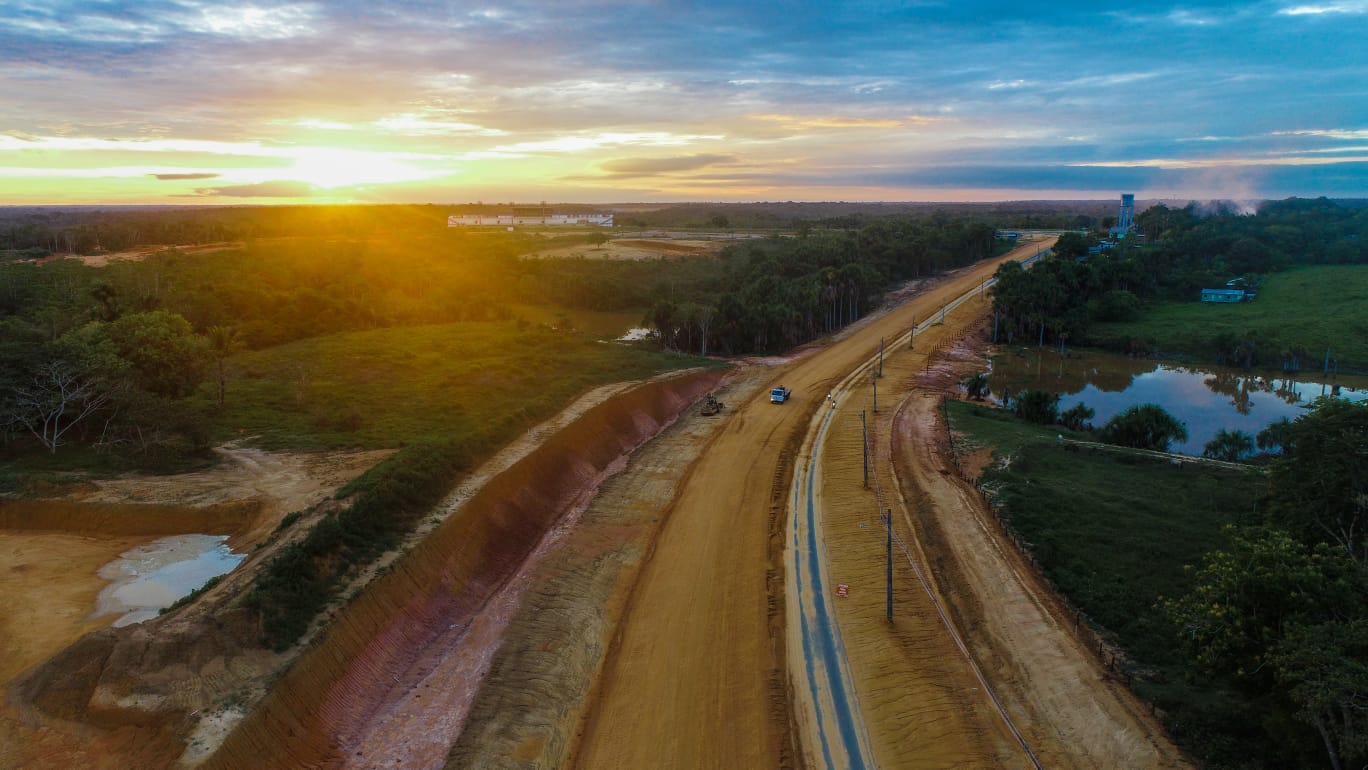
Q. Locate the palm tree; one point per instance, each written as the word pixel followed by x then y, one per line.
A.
pixel 224 342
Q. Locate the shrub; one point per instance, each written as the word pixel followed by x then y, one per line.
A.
pixel 1146 426
pixel 1037 406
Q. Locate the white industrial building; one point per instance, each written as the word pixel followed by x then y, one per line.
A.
pixel 530 216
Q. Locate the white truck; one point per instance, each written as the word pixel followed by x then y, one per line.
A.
pixel 780 394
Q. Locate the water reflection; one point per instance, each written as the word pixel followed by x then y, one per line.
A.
pixel 1205 399
pixel 148 578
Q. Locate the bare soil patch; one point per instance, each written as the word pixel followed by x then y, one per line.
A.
pixel 142 252
pixel 50 551
pixel 633 249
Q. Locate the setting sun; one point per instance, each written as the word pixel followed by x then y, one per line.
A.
pixel 328 168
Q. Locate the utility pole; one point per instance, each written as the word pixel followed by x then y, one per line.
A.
pixel 874 379
pixel 881 349
pixel 864 447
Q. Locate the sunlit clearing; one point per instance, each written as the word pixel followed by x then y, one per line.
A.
pixel 340 168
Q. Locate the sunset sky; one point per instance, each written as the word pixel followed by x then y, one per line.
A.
pixel 221 102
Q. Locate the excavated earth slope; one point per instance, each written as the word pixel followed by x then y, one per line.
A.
pixel 381 647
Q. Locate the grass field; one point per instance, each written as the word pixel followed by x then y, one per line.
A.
pixel 389 387
pixel 1114 532
pixel 450 395
pixel 1311 307
pixel 383 388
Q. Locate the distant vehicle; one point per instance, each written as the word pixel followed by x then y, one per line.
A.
pixel 711 406
pixel 780 394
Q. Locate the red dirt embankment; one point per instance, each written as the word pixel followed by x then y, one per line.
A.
pixel 335 688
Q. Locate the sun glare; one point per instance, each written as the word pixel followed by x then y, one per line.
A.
pixel 327 168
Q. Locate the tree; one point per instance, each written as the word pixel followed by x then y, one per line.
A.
pixel 224 342
pixel 1285 623
pixel 1072 245
pixel 1037 406
pixel 1229 445
pixel 74 379
pixel 977 386
pixel 1324 668
pixel 167 358
pixel 1319 487
pixel 1146 426
pixel 663 318
pixel 1274 436
pixel 703 318
pixel 1076 417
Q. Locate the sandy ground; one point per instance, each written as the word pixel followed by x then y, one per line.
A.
pixel 49 584
pixel 49 574
pixel 633 249
pixel 139 254
pixel 527 712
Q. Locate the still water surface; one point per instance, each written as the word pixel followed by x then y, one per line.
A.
pixel 148 578
pixel 1205 398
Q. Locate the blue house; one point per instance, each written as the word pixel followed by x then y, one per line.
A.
pixel 1223 295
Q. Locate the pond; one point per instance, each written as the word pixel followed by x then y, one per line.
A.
pixel 146 579
pixel 1205 399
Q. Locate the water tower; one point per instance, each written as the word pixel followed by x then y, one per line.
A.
pixel 1125 219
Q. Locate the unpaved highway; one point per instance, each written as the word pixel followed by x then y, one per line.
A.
pixel 708 666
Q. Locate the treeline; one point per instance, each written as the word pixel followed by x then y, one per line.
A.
pixel 40 231
pixel 792 215
pixel 772 294
pixel 1058 300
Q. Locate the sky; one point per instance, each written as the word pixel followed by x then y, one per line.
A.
pixel 223 102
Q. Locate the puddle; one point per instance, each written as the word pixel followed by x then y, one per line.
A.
pixel 635 334
pixel 146 579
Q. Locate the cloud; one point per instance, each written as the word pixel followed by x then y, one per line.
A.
pixel 195 175
pixel 339 93
pixel 276 189
pixel 839 121
pixel 630 167
pixel 1331 133
pixel 1325 9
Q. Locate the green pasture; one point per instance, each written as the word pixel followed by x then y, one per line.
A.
pixel 390 387
pixel 1313 308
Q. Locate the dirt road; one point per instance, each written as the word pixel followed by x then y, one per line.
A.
pixel 696 676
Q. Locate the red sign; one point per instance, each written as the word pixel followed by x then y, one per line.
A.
pixel 842 589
